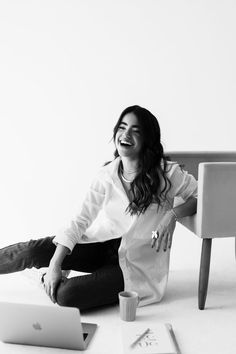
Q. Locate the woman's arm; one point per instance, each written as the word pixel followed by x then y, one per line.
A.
pixel 186 209
pixel 163 235
pixel 66 238
pixel 54 274
pixel 93 202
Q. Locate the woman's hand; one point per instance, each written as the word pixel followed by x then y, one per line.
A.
pixel 51 281
pixel 54 273
pixel 162 237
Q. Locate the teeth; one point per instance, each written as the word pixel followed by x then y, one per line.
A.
pixel 125 142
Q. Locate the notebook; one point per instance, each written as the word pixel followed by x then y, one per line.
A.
pixel 146 338
pixel 44 325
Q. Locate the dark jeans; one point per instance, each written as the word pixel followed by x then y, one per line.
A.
pixel 101 287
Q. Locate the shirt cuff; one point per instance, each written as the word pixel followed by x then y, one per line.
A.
pixel 64 242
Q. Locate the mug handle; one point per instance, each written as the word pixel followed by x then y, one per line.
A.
pixel 138 300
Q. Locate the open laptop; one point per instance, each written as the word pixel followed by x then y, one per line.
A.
pixel 44 325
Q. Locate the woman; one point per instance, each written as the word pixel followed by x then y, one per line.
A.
pixel 123 233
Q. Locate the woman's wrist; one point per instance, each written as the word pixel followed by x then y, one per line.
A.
pixel 60 253
pixel 54 264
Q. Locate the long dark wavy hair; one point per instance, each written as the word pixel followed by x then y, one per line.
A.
pixel 148 186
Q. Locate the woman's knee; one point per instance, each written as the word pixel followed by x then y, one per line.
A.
pixel 74 293
pixel 39 251
pixel 79 299
pixel 92 290
pixel 64 297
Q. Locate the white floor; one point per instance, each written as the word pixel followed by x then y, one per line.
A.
pixel 211 331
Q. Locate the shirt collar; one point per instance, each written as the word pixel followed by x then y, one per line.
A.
pixel 112 168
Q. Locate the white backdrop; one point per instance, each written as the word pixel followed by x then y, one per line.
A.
pixel 67 70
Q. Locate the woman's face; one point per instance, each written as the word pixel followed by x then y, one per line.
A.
pixel 128 139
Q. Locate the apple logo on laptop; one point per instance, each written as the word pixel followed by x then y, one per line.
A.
pixel 37 326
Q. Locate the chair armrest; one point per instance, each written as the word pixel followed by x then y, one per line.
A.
pixel 190 222
pixel 216 208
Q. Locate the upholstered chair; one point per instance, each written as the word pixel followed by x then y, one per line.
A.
pixel 216 207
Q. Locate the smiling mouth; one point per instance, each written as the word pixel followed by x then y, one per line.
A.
pixel 125 143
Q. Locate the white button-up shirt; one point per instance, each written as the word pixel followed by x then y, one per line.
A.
pixel 103 216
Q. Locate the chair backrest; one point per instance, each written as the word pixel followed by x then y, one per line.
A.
pixel 216 191
pixel 191 159
pixel 216 199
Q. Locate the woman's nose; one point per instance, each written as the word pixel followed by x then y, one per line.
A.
pixel 127 133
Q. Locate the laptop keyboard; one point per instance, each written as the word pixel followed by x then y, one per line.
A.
pixel 85 335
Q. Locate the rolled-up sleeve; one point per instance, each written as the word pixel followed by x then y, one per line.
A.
pixel 69 236
pixel 183 184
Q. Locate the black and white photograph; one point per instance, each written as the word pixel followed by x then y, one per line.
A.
pixel 117 176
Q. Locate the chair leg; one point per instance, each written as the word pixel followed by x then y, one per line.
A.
pixel 204 272
pixel 235 247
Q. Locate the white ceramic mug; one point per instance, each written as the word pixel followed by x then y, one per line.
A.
pixel 129 301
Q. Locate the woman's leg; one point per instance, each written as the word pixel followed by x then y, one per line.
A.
pixel 38 253
pixel 22 255
pixel 88 257
pixel 102 286
pixel 86 291
pixel 92 290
